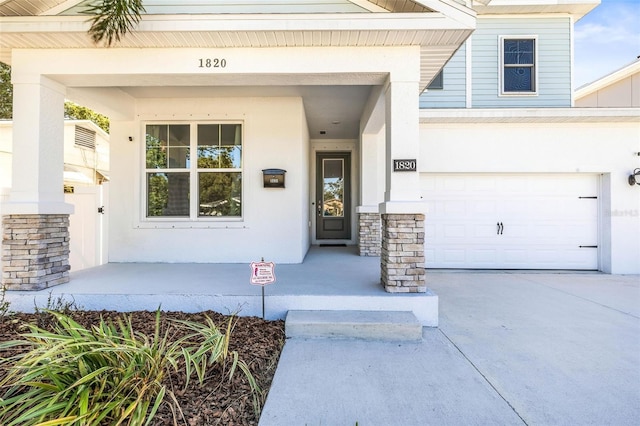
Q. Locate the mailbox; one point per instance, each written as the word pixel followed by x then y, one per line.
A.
pixel 273 178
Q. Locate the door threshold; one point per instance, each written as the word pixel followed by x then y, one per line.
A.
pixel 333 245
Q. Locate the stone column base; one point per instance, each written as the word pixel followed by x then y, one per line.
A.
pixel 35 251
pixel 402 257
pixel 369 234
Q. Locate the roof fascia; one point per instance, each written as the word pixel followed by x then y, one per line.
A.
pixel 247 22
pixel 577 8
pixel 61 7
pixel 449 8
pixel 366 4
pixel 529 115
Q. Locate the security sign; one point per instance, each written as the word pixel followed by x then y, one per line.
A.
pixel 262 273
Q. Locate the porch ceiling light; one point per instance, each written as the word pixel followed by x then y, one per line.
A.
pixel 634 178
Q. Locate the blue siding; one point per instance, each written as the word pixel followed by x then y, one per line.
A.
pixel 454 78
pixel 553 67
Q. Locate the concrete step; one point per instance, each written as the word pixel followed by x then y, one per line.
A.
pixel 366 325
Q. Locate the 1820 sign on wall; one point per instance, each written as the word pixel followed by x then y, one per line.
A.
pixel 404 165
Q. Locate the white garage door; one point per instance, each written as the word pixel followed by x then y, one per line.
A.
pixel 490 221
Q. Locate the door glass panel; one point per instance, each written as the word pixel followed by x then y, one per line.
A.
pixel 333 187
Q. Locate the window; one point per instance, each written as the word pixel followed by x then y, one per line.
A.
pixel 438 82
pixel 518 65
pixel 215 177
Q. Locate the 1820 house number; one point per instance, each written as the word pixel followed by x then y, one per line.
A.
pixel 212 63
pixel 404 165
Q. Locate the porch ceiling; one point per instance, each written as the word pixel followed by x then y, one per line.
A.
pixel 334 110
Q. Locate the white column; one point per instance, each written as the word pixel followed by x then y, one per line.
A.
pixel 370 168
pixel 402 194
pixel 38 148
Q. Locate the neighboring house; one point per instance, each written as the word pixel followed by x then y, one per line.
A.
pixel 621 88
pixel 86 154
pixel 86 167
pixel 447 128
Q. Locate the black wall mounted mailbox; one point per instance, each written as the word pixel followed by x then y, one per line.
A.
pixel 273 178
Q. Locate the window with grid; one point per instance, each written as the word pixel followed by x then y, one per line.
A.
pixel 518 65
pixel 203 159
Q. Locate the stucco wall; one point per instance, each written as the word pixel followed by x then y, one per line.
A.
pixel 275 221
pixel 604 148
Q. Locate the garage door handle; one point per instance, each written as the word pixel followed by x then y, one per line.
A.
pixel 500 228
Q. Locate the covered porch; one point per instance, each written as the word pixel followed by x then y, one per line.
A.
pixel 289 87
pixel 329 278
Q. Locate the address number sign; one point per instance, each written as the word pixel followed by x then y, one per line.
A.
pixel 404 165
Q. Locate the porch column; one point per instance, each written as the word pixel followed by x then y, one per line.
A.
pixel 369 232
pixel 35 237
pixel 402 254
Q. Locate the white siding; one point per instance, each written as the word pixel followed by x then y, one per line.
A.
pixel 454 78
pixel 553 67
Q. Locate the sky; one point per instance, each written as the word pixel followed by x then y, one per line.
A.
pixel 606 39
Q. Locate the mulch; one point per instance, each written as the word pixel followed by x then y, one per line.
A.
pixel 218 401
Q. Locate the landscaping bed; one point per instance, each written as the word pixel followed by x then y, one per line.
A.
pixel 218 401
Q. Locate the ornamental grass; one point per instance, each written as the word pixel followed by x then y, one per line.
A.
pixel 108 374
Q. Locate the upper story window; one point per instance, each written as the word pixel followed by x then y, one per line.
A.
pixel 518 66
pixel 438 82
pixel 172 175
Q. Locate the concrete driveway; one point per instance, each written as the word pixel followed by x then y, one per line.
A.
pixel 512 348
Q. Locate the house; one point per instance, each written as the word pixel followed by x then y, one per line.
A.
pixel 620 88
pixel 427 132
pixel 86 168
pixel 86 154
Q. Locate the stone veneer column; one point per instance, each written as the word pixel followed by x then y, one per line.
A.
pixel 402 257
pixel 369 234
pixel 35 251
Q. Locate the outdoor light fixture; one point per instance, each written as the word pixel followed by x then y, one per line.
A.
pixel 634 178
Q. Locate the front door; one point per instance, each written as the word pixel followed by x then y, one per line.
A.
pixel 333 195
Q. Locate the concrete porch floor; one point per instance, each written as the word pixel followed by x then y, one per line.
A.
pixel 330 278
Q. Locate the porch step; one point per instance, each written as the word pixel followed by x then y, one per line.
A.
pixel 367 325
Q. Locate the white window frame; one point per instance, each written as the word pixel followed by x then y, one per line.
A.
pixel 193 172
pixel 501 65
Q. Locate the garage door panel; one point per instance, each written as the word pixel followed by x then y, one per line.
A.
pixel 484 256
pixel 544 220
pixel 456 256
pixel 455 231
pixel 485 231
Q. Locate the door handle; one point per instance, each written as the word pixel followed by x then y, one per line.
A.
pixel 319 207
pixel 500 228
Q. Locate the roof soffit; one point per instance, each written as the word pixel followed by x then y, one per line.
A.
pixel 439 34
pixel 54 7
pixel 576 8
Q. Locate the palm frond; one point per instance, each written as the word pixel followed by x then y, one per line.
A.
pixel 112 19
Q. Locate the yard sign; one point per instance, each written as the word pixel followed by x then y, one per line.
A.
pixel 262 273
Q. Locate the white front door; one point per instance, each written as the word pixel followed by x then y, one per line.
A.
pixel 511 221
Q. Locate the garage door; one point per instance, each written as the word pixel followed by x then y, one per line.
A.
pixel 489 221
